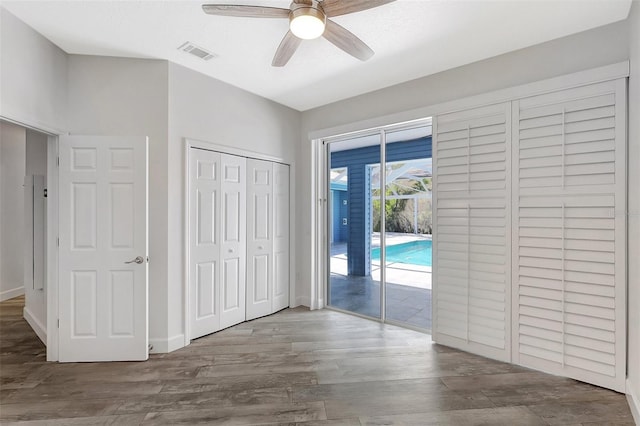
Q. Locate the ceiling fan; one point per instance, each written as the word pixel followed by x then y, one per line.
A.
pixel 308 19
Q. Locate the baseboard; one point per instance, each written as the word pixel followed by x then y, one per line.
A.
pixel 38 328
pixel 634 402
pixel 303 301
pixel 163 346
pixel 10 294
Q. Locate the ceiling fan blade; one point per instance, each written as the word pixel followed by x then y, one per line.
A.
pixel 245 11
pixel 347 41
pixel 342 7
pixel 285 51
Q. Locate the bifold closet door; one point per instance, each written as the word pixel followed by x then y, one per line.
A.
pixel 267 238
pixel 280 237
pixel 569 249
pixel 218 241
pixel 233 247
pixel 259 238
pixel 204 219
pixel 472 230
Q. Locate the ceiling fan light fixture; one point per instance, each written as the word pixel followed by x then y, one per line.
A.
pixel 307 23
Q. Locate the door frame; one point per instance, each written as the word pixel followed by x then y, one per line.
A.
pixel 51 249
pixel 324 213
pixel 210 146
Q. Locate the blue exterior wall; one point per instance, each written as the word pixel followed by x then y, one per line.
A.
pixel 340 211
pixel 359 222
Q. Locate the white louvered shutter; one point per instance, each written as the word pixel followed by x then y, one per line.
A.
pixel 569 233
pixel 472 230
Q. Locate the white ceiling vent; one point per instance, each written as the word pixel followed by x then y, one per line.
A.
pixel 197 51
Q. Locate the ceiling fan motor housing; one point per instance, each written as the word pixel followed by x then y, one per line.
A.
pixel 307 11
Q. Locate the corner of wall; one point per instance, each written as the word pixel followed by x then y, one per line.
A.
pixel 37 326
pixel 164 346
pixel 302 301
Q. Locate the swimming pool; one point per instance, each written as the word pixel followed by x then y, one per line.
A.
pixel 413 252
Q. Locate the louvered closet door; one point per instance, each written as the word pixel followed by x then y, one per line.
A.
pixel 569 233
pixel 471 260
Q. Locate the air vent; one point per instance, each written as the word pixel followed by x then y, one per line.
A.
pixel 197 51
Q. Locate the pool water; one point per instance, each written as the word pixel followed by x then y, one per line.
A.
pixel 414 253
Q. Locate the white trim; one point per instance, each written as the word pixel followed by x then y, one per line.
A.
pixel 293 281
pixel 303 301
pixel 37 326
pixel 319 271
pixel 195 143
pixel 51 286
pixel 186 293
pixel 581 78
pixel 11 293
pixel 29 124
pixel 163 346
pixel 634 402
pixel 199 144
pixel 434 225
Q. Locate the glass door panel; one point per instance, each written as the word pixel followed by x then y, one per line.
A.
pixel 352 286
pixel 408 226
pixel 380 225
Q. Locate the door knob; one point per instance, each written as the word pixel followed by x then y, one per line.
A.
pixel 230 250
pixel 137 260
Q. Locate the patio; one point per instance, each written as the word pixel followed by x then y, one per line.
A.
pixel 408 290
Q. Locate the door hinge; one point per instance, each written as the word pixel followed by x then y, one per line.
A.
pixel 58 161
pixel 147 259
pixel 58 323
pixel 58 241
pixel 45 193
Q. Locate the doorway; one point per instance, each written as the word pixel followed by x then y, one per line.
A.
pixel 379 225
pixel 23 221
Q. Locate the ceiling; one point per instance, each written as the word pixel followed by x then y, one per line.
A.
pixel 411 38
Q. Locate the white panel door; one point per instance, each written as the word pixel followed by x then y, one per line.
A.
pixel 280 237
pixel 570 227
pixel 233 244
pixel 204 255
pixel 103 249
pixel 259 238
pixel 472 238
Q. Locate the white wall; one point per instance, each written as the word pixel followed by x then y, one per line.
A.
pixel 33 76
pixel 209 110
pixel 35 310
pixel 12 168
pixel 590 49
pixel 634 212
pixel 117 96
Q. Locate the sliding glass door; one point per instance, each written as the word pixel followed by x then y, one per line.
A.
pixel 352 286
pixel 379 221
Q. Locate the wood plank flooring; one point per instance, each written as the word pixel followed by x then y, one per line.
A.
pixel 295 367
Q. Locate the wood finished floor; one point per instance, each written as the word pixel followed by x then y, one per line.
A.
pixel 295 367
